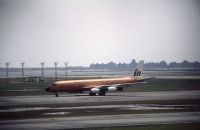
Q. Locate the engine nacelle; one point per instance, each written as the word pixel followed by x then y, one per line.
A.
pixel 112 88
pixel 95 90
pixel 120 88
pixel 116 87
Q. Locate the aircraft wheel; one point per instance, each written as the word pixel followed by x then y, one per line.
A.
pixel 92 94
pixel 102 94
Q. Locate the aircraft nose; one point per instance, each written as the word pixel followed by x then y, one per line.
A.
pixel 47 89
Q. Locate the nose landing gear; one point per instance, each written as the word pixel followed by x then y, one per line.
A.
pixel 56 94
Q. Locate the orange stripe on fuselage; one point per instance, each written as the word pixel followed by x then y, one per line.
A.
pixel 81 85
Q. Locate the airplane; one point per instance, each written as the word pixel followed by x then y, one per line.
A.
pixel 100 86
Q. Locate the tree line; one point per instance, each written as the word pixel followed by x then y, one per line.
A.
pixel 147 66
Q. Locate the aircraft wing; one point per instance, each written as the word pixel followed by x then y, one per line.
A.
pixel 114 87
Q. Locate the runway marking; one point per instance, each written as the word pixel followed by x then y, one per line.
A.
pixel 103 121
pixel 123 107
pixel 56 113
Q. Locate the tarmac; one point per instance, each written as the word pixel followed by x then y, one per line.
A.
pixel 102 121
pixel 98 120
pixel 110 97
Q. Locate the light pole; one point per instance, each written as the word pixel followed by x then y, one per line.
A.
pixel 7 71
pixel 55 63
pixel 22 63
pixel 42 65
pixel 66 66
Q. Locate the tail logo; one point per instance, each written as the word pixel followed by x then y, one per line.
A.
pixel 137 72
pixel 139 68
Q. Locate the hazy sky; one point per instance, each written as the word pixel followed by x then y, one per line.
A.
pixel 86 31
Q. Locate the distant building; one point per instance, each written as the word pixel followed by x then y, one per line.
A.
pixel 147 66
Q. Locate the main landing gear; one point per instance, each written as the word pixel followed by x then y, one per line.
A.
pixel 102 94
pixel 94 94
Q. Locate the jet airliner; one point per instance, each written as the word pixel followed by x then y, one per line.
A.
pixel 97 86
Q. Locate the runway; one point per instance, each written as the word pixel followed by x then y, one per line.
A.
pixel 115 109
pixel 102 121
pixel 84 98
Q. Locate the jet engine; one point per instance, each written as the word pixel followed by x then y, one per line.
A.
pixel 116 88
pixel 95 90
pixel 112 88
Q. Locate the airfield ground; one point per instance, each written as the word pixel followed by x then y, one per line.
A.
pixel 162 103
pixel 152 85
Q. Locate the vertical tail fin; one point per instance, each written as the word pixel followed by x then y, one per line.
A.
pixel 139 69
